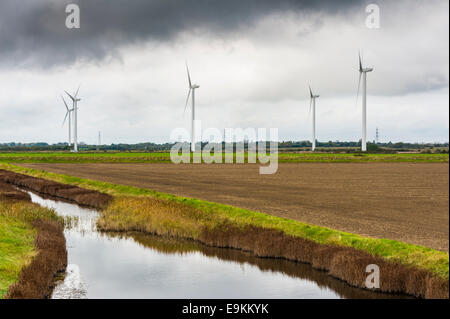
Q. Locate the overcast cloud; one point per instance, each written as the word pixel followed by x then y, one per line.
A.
pixel 253 61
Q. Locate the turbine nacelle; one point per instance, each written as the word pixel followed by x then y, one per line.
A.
pixel 313 98
pixel 365 70
pixel 73 98
pixel 361 68
pixel 311 94
pixel 362 71
pixel 191 88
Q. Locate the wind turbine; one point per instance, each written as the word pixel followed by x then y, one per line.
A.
pixel 192 88
pixel 312 104
pixel 363 73
pixel 68 113
pixel 99 140
pixel 75 101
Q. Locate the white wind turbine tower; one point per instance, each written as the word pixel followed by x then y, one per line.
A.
pixel 363 72
pixel 75 101
pixel 312 104
pixel 68 113
pixel 99 140
pixel 192 88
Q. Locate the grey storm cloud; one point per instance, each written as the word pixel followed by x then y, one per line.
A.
pixel 33 33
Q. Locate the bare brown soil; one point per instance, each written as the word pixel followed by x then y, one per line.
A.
pixel 402 201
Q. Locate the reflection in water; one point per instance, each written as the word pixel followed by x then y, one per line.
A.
pixel 71 287
pixel 106 265
pixel 271 265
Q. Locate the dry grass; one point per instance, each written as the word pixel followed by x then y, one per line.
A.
pixel 152 215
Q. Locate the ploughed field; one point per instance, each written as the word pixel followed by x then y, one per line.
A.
pixel 403 201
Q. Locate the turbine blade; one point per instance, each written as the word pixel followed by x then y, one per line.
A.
pixel 65 103
pixel 73 99
pixel 67 113
pixel 360 62
pixel 359 85
pixel 189 76
pixel 76 93
pixel 310 92
pixel 187 100
pixel 310 106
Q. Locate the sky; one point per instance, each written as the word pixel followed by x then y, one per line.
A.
pixel 253 60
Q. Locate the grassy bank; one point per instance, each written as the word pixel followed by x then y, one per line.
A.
pixel 16 248
pixel 164 157
pixel 145 210
pixel 26 232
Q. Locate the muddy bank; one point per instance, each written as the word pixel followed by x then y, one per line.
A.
pixel 7 192
pixel 36 281
pixel 68 192
pixel 347 264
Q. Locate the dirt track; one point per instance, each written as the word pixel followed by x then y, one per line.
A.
pixel 403 201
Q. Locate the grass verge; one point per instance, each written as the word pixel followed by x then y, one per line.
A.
pixel 16 248
pixel 164 157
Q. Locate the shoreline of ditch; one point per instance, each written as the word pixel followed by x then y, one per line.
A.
pixel 344 263
pixel 37 279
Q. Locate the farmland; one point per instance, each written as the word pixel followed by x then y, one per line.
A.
pixel 164 157
pixel 402 201
pixel 393 206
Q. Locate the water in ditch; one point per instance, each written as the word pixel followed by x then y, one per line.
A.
pixel 108 265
